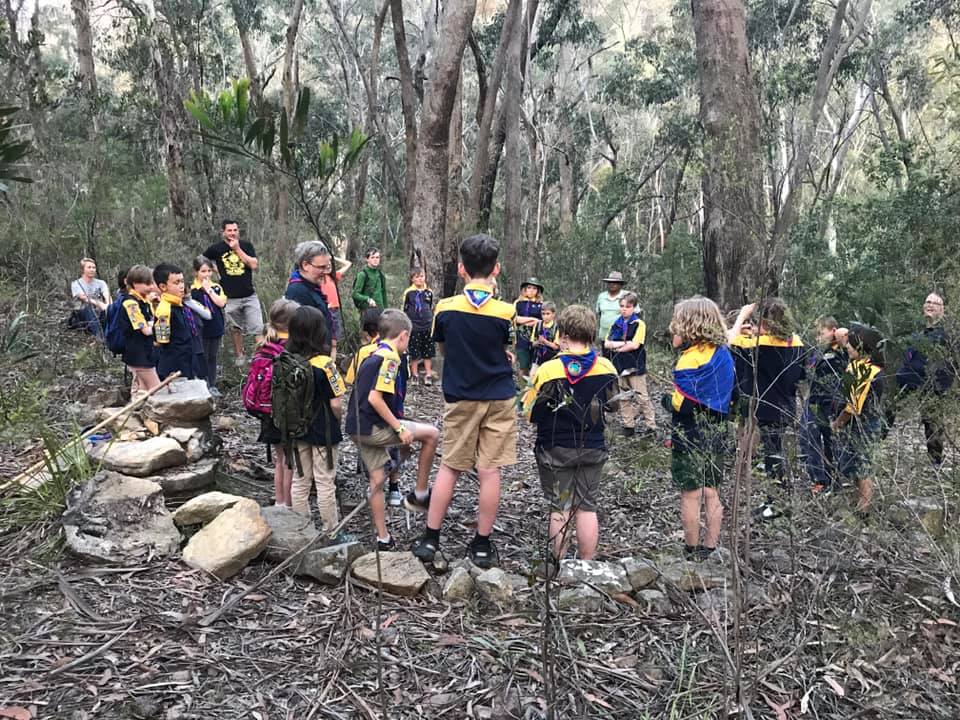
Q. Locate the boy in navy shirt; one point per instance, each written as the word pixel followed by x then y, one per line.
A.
pixel 177 329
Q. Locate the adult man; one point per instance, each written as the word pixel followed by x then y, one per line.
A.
pixel 608 305
pixel 236 260
pixel 311 263
pixel 929 366
pixel 92 296
pixel 370 285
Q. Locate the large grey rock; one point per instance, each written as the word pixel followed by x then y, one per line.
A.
pixel 231 540
pixel 291 531
pixel 611 578
pixel 116 518
pixel 181 402
pixel 495 586
pixel 695 577
pixel 459 586
pixel 925 514
pixel 641 572
pixel 582 598
pixel 204 508
pixel 140 458
pixel 400 572
pixel 128 422
pixel 188 478
pixel 328 564
pixel 196 441
pixel 654 602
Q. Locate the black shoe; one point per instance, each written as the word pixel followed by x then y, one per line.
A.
pixel 767 512
pixel 387 546
pixel 704 552
pixel 425 549
pixel 628 432
pixel 691 552
pixel 482 554
pixel 413 504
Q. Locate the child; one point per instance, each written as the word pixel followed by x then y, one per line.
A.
pixel 700 403
pixel 863 389
pixel 566 403
pixel 138 351
pixel 474 331
pixel 545 345
pixel 328 286
pixel 370 285
pixel 369 336
pixel 626 344
pixel 373 421
pixel 529 314
pixel 775 366
pixel 278 324
pixel 317 449
pixel 418 305
pixel 177 329
pixel 826 364
pixel 208 293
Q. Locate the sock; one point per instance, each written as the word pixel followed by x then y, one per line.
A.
pixel 384 540
pixel 479 539
pixel 421 494
pixel 430 534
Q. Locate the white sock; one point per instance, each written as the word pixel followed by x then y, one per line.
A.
pixel 383 540
pixel 421 494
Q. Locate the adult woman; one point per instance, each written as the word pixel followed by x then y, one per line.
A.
pixel 311 264
pixel 91 296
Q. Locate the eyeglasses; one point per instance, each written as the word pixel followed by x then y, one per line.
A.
pixel 322 268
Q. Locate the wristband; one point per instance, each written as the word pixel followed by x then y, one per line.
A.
pixel 400 428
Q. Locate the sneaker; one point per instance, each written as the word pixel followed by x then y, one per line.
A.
pixel 766 512
pixel 394 497
pixel 691 552
pixel 214 393
pixel 628 432
pixel 821 490
pixel 425 549
pixel 413 504
pixel 482 554
pixel 387 546
pixel 342 538
pixel 428 381
pixel 240 360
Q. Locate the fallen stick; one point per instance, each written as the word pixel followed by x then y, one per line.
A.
pixel 92 654
pixel 212 617
pixel 47 462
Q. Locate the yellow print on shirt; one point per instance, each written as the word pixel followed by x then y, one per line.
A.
pixel 232 264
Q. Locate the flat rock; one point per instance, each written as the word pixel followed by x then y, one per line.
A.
pixel 182 434
pixel 204 508
pixel 141 458
pixel 328 564
pixel 611 578
pixel 494 585
pixel 224 423
pixel 188 478
pixel 641 572
pixel 129 421
pixel 182 401
pixel 459 586
pixel 291 531
pixel 400 572
pixel 116 518
pixel 655 602
pixel 582 598
pixel 231 540
pixel 695 577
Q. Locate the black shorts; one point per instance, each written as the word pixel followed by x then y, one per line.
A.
pixel 421 346
pixel 570 477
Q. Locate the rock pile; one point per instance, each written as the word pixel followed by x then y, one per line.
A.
pixel 169 441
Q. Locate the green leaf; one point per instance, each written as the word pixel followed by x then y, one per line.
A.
pixel 301 112
pixel 194 106
pixel 326 159
pixel 284 140
pixel 241 89
pixel 255 130
pixel 225 101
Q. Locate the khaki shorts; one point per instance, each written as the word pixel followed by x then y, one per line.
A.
pixel 570 477
pixel 479 434
pixel 245 315
pixel 374 448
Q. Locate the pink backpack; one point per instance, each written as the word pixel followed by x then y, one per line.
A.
pixel 256 391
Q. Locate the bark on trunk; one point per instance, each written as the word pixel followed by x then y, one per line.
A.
pixel 455 201
pixel 408 103
pixel 290 90
pixel 512 260
pixel 433 159
pixel 170 97
pixel 249 59
pixel 734 222
pixel 86 69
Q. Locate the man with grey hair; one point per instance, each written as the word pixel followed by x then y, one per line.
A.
pixel 311 263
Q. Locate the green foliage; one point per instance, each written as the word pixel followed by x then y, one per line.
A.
pixel 12 150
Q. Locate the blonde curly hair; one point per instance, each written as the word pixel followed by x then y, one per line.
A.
pixel 699 320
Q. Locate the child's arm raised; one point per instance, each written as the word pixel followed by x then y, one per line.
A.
pixel 745 312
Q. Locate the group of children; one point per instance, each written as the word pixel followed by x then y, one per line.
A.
pixel 159 326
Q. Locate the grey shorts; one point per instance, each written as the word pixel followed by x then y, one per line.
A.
pixel 245 315
pixel 570 477
pixel 337 323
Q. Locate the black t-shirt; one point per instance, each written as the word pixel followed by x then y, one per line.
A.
pixel 235 277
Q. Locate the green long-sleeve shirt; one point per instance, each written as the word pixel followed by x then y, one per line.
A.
pixel 369 283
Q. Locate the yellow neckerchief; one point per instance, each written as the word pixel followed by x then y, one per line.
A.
pixel 196 284
pixel 363 353
pixel 172 299
pixel 548 325
pixel 749 341
pixel 392 344
pixel 414 288
pixel 137 296
pixel 864 372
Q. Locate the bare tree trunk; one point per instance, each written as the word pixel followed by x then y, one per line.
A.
pixel 242 20
pixel 290 91
pixel 86 70
pixel 455 201
pixel 734 223
pixel 433 158
pixel 408 103
pixel 169 96
pixel 511 260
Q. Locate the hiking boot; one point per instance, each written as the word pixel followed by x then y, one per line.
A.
pixel 425 549
pixel 628 431
pixel 482 554
pixel 767 512
pixel 394 497
pixel 387 546
pixel 413 504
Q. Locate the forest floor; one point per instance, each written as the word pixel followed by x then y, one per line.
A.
pixel 841 620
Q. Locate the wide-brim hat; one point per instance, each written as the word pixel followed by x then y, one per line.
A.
pixel 532 281
pixel 616 276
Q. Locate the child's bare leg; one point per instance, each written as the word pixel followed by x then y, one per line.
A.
pixel 428 436
pixel 428 366
pixel 414 369
pixel 145 379
pixel 561 530
pixel 865 494
pixel 488 500
pixel 377 510
pixel 588 533
pixel 279 466
pixel 714 512
pixel 443 488
pixel 690 516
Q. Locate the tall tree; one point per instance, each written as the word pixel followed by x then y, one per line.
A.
pixel 86 69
